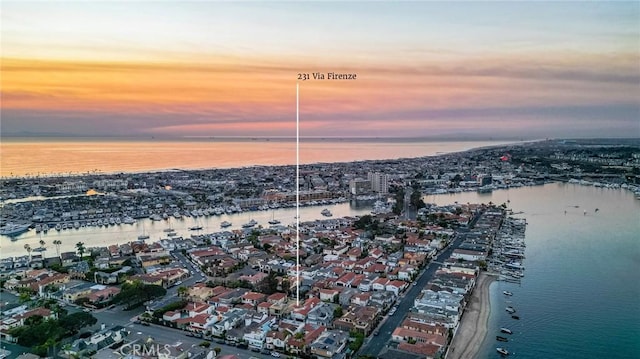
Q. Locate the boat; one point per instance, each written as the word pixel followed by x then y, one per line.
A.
pixel 143 236
pixel 195 228
pixel 506 292
pixel 515 317
pixel 502 351
pixel 327 213
pixel 501 339
pixel 506 330
pixel 225 224
pixel 250 224
pixel 13 229
pixel 128 220
pixel 510 309
pixel 273 220
pixel 155 217
pixel 167 230
pixel 177 215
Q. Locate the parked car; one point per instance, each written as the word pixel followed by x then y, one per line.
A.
pixel 275 354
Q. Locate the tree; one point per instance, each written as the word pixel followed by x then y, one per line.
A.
pixel 217 350
pixel 76 321
pixel 80 248
pixel 57 243
pixel 182 291
pixel 416 199
pixel 337 313
pixel 363 222
pixel 28 249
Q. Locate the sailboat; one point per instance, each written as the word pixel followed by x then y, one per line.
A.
pixel 196 227
pixel 273 220
pixel 143 236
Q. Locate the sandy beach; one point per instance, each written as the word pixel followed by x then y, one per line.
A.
pixel 473 328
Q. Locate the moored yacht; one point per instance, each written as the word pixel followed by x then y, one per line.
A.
pixel 225 224
pixel 250 224
pixel 502 351
pixel 12 229
pixel 506 330
pixel 327 213
pixel 510 309
pixel 506 292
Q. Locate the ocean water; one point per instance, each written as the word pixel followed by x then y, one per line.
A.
pixel 41 157
pixel 580 297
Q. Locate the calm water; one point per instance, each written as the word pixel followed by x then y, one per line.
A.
pixel 580 294
pixel 22 157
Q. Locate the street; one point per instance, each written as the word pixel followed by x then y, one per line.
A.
pixel 374 347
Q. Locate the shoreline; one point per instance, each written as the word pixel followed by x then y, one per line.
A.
pixel 473 328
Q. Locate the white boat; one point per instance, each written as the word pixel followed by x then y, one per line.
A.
pixel 155 217
pixel 250 224
pixel 327 213
pixel 129 220
pixel 502 351
pixel 510 309
pixel 507 293
pixel 12 229
pixel 225 224
pixel 506 330
pixel 177 215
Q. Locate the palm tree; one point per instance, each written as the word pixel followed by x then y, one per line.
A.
pixel 57 243
pixel 28 249
pixel 80 247
pixel 182 291
pixel 42 243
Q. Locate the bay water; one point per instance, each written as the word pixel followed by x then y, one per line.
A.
pixel 580 297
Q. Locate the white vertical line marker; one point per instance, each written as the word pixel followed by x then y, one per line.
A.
pixel 297 194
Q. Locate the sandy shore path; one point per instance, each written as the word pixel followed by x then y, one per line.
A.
pixel 473 328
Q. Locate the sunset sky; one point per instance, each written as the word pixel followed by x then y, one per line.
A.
pixel 424 69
